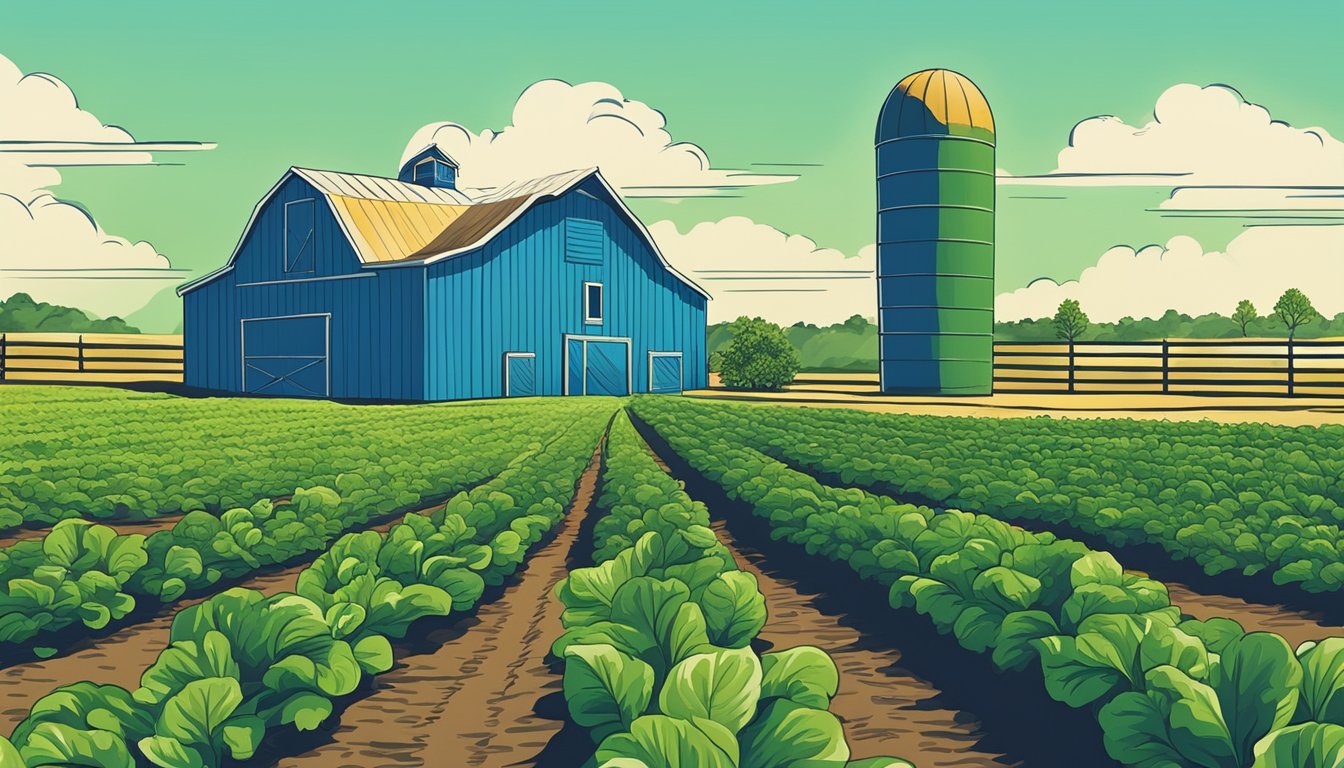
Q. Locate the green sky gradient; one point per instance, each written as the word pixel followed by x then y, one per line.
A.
pixel 344 85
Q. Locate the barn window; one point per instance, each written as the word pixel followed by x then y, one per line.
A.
pixel 299 224
pixel 592 303
pixel 583 241
pixel 425 171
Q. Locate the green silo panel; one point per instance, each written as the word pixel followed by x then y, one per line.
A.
pixel 935 236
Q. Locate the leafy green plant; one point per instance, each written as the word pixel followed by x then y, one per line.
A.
pixel 759 356
pixel 1169 690
pixel 658 664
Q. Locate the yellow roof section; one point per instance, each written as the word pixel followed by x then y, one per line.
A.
pixel 389 230
pixel 938 102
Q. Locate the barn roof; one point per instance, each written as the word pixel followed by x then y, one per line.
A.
pixel 391 223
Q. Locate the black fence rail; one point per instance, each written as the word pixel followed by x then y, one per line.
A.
pixel 1173 366
pixel 89 358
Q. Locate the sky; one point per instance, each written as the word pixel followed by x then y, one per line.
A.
pixel 210 103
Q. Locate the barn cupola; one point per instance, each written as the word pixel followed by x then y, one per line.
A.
pixel 430 167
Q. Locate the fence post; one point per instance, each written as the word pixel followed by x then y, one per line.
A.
pixel 1071 376
pixel 1290 366
pixel 81 352
pixel 1166 367
pixel 3 362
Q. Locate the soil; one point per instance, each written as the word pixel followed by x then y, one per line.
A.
pixel 122 656
pixel 163 523
pixel 1255 602
pixel 886 709
pixel 905 691
pixel 475 693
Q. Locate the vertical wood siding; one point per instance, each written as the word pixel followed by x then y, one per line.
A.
pixel 440 332
pixel 376 329
pixel 519 294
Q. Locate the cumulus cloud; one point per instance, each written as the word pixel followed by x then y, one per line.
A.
pixel 1259 265
pixel 1198 136
pixel 52 249
pixel 755 269
pixel 561 127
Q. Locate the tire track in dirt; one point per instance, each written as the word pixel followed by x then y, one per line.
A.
pixel 471 700
pixel 121 657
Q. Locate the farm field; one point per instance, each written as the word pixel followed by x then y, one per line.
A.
pixel 859 391
pixel 660 581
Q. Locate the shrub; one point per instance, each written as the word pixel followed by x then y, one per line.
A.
pixel 759 356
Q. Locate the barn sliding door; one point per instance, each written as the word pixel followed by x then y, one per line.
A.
pixel 287 356
pixel 597 365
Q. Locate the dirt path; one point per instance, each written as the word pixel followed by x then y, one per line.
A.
pixel 471 701
pixel 1294 625
pixel 886 709
pixel 121 657
pixel 15 535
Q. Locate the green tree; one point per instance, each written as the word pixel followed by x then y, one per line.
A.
pixel 1294 310
pixel 1245 315
pixel 758 357
pixel 20 313
pixel 1070 320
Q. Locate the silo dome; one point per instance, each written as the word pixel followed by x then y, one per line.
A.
pixel 935 237
pixel 936 102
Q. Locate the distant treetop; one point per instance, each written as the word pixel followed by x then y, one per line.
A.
pixel 19 313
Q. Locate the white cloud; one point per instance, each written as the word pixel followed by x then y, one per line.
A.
pixel 1259 265
pixel 754 269
pixel 561 127
pixel 1198 136
pixel 1215 199
pixel 52 249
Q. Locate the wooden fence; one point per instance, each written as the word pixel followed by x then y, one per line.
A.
pixel 93 358
pixel 1175 366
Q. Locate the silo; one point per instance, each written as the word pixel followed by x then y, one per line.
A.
pixel 935 237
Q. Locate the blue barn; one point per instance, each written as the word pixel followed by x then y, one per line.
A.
pixel 361 287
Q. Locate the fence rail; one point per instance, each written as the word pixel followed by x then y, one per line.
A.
pixel 1312 367
pixel 89 358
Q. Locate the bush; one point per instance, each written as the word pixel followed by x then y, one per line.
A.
pixel 759 356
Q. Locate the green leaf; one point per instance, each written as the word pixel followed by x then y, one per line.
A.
pixel 1019 630
pixel 374 654
pixel 243 734
pixel 734 609
pixel 605 689
pixel 1322 681
pixel 722 686
pixel 805 675
pixel 60 744
pixel 1098 568
pixel 195 715
pixel 168 752
pixel 1257 683
pixel 658 741
pixel 305 710
pixel 1006 588
pixel 786 734
pixel 1095 664
pixel 1310 745
pixel 1194 720
pixel 1134 729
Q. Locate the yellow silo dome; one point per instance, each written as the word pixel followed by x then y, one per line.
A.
pixel 936 102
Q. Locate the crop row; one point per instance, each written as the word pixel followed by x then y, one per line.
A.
pixel 153 455
pixel 658 664
pixel 83 573
pixel 1242 497
pixel 242 665
pixel 1167 690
